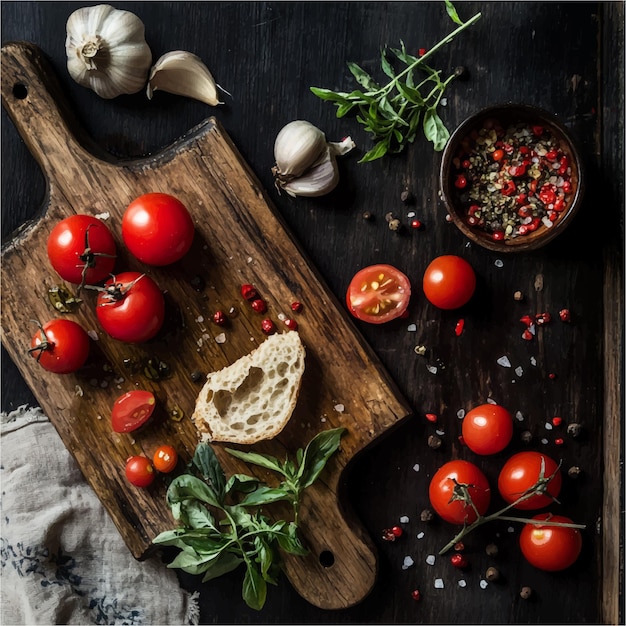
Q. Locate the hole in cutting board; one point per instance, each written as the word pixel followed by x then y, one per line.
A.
pixel 327 558
pixel 20 91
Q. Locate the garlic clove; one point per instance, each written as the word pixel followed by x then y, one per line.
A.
pixel 184 74
pixel 319 180
pixel 107 51
pixel 297 147
pixel 342 147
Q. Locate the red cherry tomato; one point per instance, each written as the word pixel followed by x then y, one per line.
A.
pixel 60 346
pixel 165 458
pixel 550 548
pixel 378 293
pixel 449 282
pixel 443 488
pixel 132 410
pixel 131 308
pixel 487 429
pixel 157 229
pixel 81 244
pixel 521 472
pixel 139 471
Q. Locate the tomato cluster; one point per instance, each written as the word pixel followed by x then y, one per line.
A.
pixel 380 293
pixel 459 491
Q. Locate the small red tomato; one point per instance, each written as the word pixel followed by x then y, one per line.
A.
pixel 139 471
pixel 165 458
pixel 81 249
pixel 447 486
pixel 131 308
pixel 497 155
pixel 487 429
pixel 132 410
pixel 60 346
pixel 521 472
pixel 449 282
pixel 550 548
pixel 378 294
pixel 157 229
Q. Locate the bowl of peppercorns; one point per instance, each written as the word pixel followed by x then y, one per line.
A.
pixel 511 177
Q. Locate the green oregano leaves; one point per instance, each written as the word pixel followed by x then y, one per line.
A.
pixel 394 112
pixel 221 524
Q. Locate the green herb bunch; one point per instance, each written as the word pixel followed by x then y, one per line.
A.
pixel 222 525
pixel 393 113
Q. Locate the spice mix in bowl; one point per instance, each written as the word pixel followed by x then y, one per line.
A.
pixel 511 177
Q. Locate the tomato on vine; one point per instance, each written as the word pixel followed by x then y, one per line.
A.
pixel 487 429
pixel 81 250
pixel 132 410
pixel 139 471
pixel 522 472
pixel 60 346
pixel 550 547
pixel 165 458
pixel 449 282
pixel 452 487
pixel 378 294
pixel 130 307
pixel 157 228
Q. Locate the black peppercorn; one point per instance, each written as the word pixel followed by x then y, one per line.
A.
pixel 196 376
pixel 434 442
pixel 492 549
pixel 426 515
pixel 492 574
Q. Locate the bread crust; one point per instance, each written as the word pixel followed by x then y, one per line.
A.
pixel 253 398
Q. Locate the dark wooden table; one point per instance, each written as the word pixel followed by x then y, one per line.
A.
pixel 565 57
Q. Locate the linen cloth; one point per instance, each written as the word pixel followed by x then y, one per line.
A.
pixel 63 560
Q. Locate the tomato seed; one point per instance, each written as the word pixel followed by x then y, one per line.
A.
pixel 397 531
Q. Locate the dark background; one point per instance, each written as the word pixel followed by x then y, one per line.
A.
pixel 564 57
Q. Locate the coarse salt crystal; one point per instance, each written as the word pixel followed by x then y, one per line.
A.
pixel 430 559
pixel 93 335
pixel 78 391
pixel 412 328
pixel 408 561
pixel 440 432
pixel 483 583
pixel 533 361
pixel 404 519
pixel 200 319
pixel 547 222
pixel 432 369
pixel 461 583
pixel 548 426
pixel 416 467
pixel 544 441
pixel 498 263
pixel 510 529
pixel 519 370
pixel 438 583
pixel 504 361
pixel 460 413
pixel 221 338
pixel 340 408
pixel 420 535
pixel 491 401
pixel 411 214
pixel 519 416
pixel 103 216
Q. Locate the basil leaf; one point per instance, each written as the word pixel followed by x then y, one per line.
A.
pixel 344 109
pixel 188 487
pixel 386 65
pixel 265 495
pixel 410 93
pixel 435 130
pixel 328 94
pixel 265 558
pixel 206 462
pixel 290 542
pixel 362 77
pixel 378 151
pixel 454 16
pixel 254 589
pixel 316 454
pixel 198 516
pixel 224 563
pixel 241 483
pixel 263 460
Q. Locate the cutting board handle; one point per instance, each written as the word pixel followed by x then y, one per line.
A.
pixel 34 99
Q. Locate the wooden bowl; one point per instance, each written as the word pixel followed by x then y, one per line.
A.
pixel 489 229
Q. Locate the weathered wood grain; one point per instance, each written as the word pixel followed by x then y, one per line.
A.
pixel 239 239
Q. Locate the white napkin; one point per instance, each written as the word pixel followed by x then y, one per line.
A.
pixel 63 560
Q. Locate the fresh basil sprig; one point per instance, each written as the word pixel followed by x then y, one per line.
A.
pixel 221 521
pixel 393 113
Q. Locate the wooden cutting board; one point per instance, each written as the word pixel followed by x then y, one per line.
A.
pixel 240 238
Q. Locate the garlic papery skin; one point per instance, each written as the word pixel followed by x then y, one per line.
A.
pixel 319 180
pixel 298 146
pixel 107 50
pixel 184 74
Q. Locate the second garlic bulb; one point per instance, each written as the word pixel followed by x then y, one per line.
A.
pixel 107 50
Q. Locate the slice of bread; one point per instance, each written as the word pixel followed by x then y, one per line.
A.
pixel 253 398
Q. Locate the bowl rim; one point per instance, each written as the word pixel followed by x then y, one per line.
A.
pixel 527 111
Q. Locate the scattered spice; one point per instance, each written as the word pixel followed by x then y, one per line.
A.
pixel 258 305
pixel 426 515
pixel 574 429
pixel 492 550
pixel 565 315
pixel 459 561
pixel 492 574
pixel 268 327
pixel 416 595
pixel 518 296
pixel 196 376
pixel 458 329
pixel 525 593
pixel 296 307
pixel 526 436
pixel 574 471
pixel 406 196
pixel 431 417
pixel 219 318
pixel 557 421
pixel 434 442
pixel 291 324
pixel 249 292
pixel 367 216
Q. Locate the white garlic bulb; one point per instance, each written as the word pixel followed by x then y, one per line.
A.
pixel 305 162
pixel 107 50
pixel 184 74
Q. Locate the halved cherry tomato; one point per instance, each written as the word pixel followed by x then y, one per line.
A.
pixel 139 471
pixel 449 282
pixel 521 472
pixel 157 228
pixel 132 410
pixel 550 548
pixel 81 249
pixel 165 458
pixel 487 429
pixel 378 293
pixel 444 492
pixel 60 346
pixel 131 307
